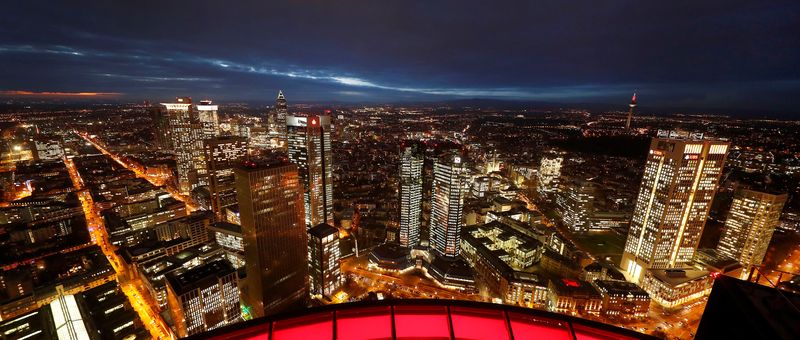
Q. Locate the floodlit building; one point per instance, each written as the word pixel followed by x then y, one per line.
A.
pixel 221 155
pixel 309 142
pixel 183 140
pixel 504 258
pixel 577 205
pixel 672 288
pixel 751 221
pixel 272 215
pixel 574 296
pixel 229 237
pixel 204 298
pixel 680 178
pixel 549 174
pixel 411 161
pixel 325 273
pixel 277 120
pixel 447 202
pixel 623 299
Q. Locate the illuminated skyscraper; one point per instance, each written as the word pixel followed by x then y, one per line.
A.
pixel 325 273
pixel 221 155
pixel 188 127
pixel 577 205
pixel 549 174
pixel 309 141
pixel 183 139
pixel 203 298
pixel 751 221
pixel 275 239
pixel 278 118
pixel 208 118
pixel 447 201
pixel 411 161
pixel 680 178
pixel 630 112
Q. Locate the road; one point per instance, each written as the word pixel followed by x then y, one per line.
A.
pixel 148 312
pixel 140 172
pixel 408 284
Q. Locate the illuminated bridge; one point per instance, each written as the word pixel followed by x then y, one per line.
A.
pixel 422 319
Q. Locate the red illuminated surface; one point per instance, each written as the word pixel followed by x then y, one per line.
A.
pixel 531 327
pixel 315 326
pixel 364 324
pixel 423 319
pixel 421 322
pixel 478 324
pixel 571 283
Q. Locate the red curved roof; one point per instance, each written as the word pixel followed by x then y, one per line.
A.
pixel 422 319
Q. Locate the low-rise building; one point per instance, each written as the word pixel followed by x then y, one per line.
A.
pixel 622 299
pixel 574 296
pixel 673 288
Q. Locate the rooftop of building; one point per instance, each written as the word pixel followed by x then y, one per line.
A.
pixel 226 227
pixel 199 276
pixel 617 287
pixel 322 230
pixel 677 276
pixel 573 287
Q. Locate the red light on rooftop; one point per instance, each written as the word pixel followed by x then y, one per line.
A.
pixel 571 283
pixel 313 121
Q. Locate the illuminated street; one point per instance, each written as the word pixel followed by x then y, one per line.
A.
pixel 400 170
pixel 148 313
pixel 139 171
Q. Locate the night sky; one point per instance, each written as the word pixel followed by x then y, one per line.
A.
pixel 689 54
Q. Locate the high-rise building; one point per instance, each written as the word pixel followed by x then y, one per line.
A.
pixel 183 138
pixel 325 273
pixel 188 127
pixel 411 161
pixel 203 298
pixel 577 205
pixel 751 221
pixel 630 112
pixel 680 178
pixel 447 201
pixel 309 140
pixel 549 174
pixel 221 155
pixel 271 210
pixel 277 121
pixel 163 138
pixel 208 118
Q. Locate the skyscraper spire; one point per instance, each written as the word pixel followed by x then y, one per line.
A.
pixel 630 111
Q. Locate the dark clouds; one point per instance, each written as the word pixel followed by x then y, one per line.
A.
pixel 720 54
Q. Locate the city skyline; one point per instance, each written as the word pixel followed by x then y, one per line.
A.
pixel 400 170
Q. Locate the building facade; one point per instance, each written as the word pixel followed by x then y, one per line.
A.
pixel 277 120
pixel 577 206
pixel 680 179
pixel 447 201
pixel 275 240
pixel 203 298
pixel 549 174
pixel 751 221
pixel 309 143
pixel 411 162
pixel 325 274
pixel 221 155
